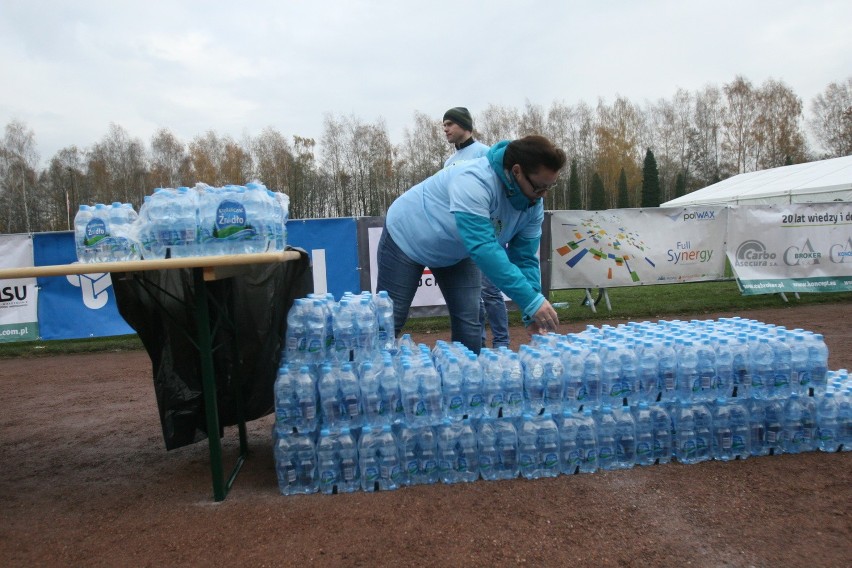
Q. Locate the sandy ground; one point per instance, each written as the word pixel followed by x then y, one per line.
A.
pixel 86 481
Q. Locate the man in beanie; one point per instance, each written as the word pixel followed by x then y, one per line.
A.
pixel 458 128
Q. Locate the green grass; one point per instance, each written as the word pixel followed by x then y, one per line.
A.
pixel 634 303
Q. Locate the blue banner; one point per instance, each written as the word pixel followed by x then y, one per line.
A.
pixel 333 247
pixel 74 306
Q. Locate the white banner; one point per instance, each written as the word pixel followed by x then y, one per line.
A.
pixel 18 297
pixel 629 247
pixel 791 248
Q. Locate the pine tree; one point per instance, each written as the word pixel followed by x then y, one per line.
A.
pixel 680 185
pixel 575 200
pixel 623 196
pixel 598 198
pixel 650 181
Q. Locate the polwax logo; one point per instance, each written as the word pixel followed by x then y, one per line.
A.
pixel 684 215
pixel 753 253
pixel 94 288
pixel 804 255
pixel 841 252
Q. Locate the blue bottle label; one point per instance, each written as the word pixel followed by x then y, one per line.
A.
pixel 95 231
pixel 231 222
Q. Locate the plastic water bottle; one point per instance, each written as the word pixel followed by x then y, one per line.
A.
pixel 549 461
pixel 286 409
pixel 703 431
pixel 648 363
pixel 723 442
pixel 587 442
pixel 534 383
pixel 315 331
pixel 513 385
pixel 329 395
pixel 817 363
pixel 392 408
pixel 371 395
pixel 85 252
pixel 663 442
pixel 782 367
pixel 606 438
pixel 724 367
pixel 451 384
pixel 739 420
pixel 492 380
pixel 611 393
pixel 182 214
pixel 684 438
pixel 430 388
pixel 297 465
pixel 261 215
pixel 489 454
pixel 705 385
pixel 347 457
pixel 629 375
pixel 793 428
pixel 296 337
pixel 773 428
pixel 687 370
pixel 390 466
pixel 99 234
pixel 644 426
pixel 527 448
pixel 467 459
pixel 625 438
pixel 742 366
pixel 800 378
pixel 844 417
pixel 573 364
pixel 553 381
pixel 592 380
pixel 368 459
pixel 473 391
pixel 570 453
pixel 327 460
pixel 351 409
pixel 667 371
pixel 304 390
pixel 762 375
pixel 343 327
pixel 507 446
pixel 827 423
pixel 386 328
pixel 124 246
pixel 757 426
pixel 365 329
pixel 412 402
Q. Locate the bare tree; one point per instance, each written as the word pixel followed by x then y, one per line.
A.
pixel 831 119
pixel 497 123
pixel 168 159
pixel 18 176
pixel 779 138
pixel 738 141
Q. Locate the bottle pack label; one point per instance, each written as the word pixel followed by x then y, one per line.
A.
pixel 95 231
pixel 232 223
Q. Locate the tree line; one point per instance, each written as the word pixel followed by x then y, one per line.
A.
pixel 622 154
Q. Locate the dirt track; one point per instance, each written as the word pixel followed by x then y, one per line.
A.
pixel 86 482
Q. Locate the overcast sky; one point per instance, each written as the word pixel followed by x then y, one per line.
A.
pixel 70 68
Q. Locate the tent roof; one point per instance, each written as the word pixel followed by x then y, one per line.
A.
pixel 811 182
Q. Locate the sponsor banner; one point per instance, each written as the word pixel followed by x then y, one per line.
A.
pixel 428 293
pixel 333 247
pixel 77 305
pixel 630 247
pixel 19 296
pixel 791 248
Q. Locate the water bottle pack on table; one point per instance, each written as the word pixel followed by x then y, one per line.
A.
pixel 184 222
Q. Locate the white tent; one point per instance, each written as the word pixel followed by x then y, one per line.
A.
pixel 813 182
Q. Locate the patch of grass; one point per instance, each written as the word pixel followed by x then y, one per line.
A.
pixel 117 343
pixel 635 303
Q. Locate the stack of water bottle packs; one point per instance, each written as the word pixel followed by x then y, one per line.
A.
pixel 184 222
pixel 357 410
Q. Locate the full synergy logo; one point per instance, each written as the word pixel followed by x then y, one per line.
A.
pixel 604 239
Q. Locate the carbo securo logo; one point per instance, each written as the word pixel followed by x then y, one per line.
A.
pixel 754 253
pixel 801 255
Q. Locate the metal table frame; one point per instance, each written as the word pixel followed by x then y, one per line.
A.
pixel 204 269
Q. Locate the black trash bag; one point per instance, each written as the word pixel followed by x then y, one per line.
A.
pixel 248 320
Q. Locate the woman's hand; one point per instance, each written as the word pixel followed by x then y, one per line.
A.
pixel 545 320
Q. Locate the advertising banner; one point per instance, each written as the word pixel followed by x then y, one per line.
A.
pixel 630 247
pixel 791 248
pixel 333 247
pixel 74 306
pixel 18 297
